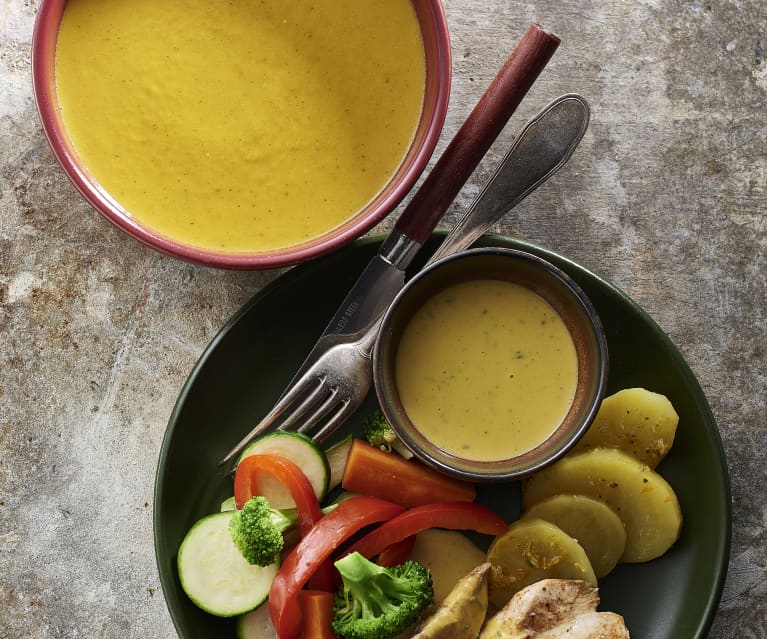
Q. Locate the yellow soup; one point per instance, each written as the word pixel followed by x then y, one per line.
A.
pixel 240 126
pixel 486 370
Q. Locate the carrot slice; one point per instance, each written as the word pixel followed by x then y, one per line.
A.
pixel 371 471
pixel 317 610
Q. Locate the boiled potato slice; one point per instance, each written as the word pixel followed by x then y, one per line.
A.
pixel 643 500
pixel 531 550
pixel 592 523
pixel 636 421
pixel 448 555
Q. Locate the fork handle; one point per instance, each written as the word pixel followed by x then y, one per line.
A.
pixel 477 134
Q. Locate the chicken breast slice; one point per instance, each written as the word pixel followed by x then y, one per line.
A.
pixel 541 606
pixel 590 625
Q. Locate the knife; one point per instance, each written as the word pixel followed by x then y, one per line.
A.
pixel 384 276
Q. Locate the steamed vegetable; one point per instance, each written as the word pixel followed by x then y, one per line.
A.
pixel 337 455
pixel 397 553
pixel 228 504
pixel 450 515
pixel 299 449
pixel 371 471
pixel 317 609
pixel 257 531
pixel 213 573
pixel 378 432
pixel 252 470
pixel 376 602
pixel 250 474
pixel 583 514
pixel 311 552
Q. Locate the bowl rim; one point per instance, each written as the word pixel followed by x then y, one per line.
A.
pixel 427 134
pixel 530 461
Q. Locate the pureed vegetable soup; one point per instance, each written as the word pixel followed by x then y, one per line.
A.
pixel 486 369
pixel 240 126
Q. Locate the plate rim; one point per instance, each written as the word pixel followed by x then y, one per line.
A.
pixel 490 239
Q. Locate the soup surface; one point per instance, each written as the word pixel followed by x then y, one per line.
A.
pixel 486 369
pixel 240 126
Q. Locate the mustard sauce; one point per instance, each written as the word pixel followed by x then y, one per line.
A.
pixel 486 370
pixel 240 126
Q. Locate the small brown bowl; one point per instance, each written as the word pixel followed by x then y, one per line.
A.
pixel 550 283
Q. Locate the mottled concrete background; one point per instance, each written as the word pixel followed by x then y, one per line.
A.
pixel 666 198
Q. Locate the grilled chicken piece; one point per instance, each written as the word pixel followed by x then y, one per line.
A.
pixel 589 625
pixel 554 608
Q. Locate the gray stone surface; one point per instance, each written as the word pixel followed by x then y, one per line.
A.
pixel 666 198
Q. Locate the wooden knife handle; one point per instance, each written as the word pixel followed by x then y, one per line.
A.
pixel 477 134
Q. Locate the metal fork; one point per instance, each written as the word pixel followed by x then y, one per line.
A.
pixel 338 382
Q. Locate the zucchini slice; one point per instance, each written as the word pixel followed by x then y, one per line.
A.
pixel 214 574
pixel 303 452
pixel 337 454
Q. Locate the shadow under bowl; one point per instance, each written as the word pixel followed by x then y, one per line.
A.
pixel 436 43
pixel 555 287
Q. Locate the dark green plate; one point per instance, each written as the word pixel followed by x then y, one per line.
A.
pixel 249 362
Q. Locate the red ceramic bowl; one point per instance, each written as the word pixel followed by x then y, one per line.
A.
pixel 438 75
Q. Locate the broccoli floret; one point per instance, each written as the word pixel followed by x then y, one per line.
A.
pixel 378 432
pixel 376 602
pixel 257 531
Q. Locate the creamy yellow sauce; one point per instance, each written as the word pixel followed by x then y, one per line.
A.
pixel 486 369
pixel 240 126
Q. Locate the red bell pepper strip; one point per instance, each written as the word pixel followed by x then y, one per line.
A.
pixel 246 485
pixel 452 515
pixel 316 546
pixel 396 554
pixel 251 469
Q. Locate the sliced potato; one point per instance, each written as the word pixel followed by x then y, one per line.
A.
pixel 643 500
pixel 592 523
pixel 448 555
pixel 636 421
pixel 531 550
